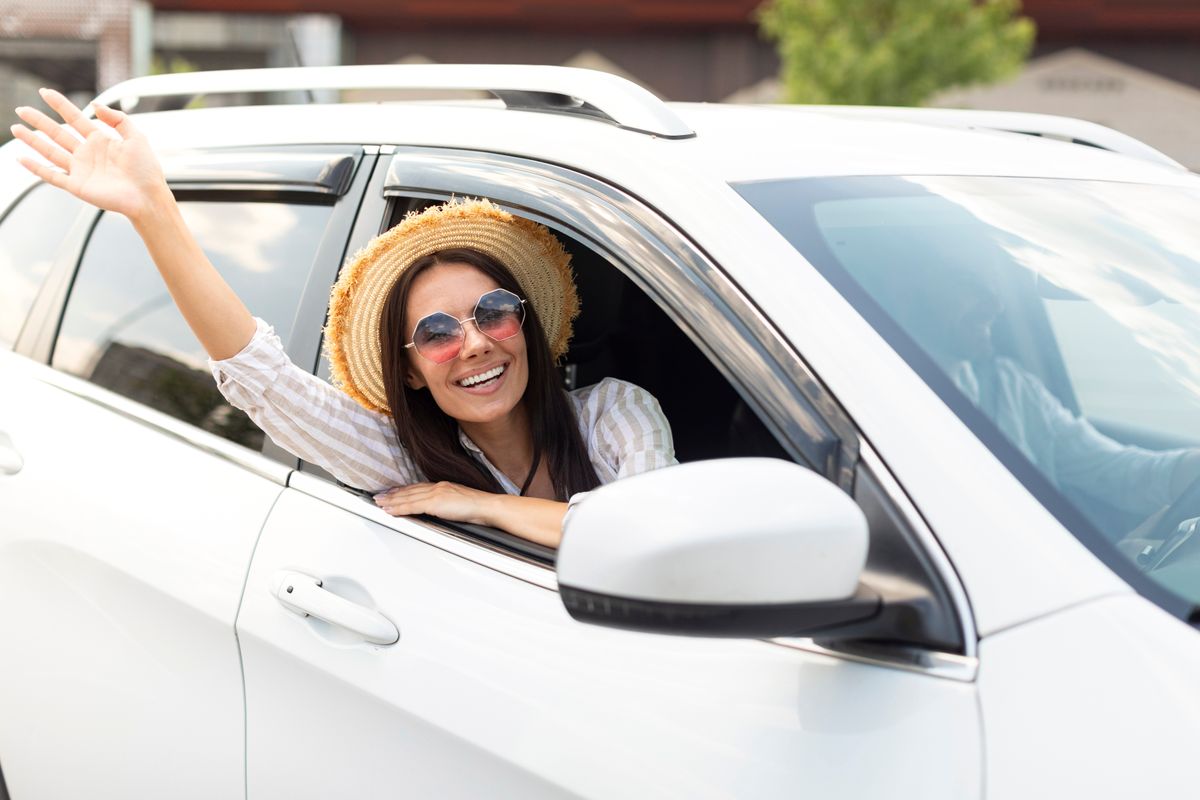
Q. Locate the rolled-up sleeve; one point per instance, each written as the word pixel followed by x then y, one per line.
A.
pixel 310 418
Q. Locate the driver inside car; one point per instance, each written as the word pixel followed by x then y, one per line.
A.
pixel 950 311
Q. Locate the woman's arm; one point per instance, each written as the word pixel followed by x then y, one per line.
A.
pixel 528 517
pixel 113 167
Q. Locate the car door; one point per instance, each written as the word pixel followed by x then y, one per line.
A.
pixel 399 656
pixel 132 498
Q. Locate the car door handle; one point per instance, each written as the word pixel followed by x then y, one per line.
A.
pixel 10 458
pixel 304 595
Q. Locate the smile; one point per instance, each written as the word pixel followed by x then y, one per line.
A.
pixel 483 377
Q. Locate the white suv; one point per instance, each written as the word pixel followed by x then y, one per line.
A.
pixel 982 349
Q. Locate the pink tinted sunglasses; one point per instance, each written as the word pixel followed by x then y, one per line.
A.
pixel 499 315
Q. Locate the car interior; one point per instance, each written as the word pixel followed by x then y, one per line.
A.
pixel 892 262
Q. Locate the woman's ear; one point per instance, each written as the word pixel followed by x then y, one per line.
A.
pixel 414 379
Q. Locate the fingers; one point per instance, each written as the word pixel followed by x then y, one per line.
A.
pixel 44 147
pixel 405 499
pixel 46 172
pixel 118 120
pixel 62 135
pixel 418 498
pixel 68 111
pixel 442 499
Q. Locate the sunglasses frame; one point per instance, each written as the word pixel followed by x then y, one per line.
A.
pixel 462 326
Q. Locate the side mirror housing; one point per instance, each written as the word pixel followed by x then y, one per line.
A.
pixel 749 547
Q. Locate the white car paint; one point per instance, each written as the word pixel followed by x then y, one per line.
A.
pixel 1096 701
pixel 120 579
pixel 493 689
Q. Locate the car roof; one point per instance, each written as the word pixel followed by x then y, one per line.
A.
pixel 732 143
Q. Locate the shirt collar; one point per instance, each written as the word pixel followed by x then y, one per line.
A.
pixel 505 482
pixel 466 442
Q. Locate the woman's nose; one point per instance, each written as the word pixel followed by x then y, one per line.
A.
pixel 475 342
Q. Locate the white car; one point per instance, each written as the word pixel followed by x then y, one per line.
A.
pixel 936 388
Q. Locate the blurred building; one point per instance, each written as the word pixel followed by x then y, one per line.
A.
pixel 75 45
pixel 699 50
pixel 682 50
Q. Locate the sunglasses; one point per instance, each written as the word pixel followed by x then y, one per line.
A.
pixel 499 315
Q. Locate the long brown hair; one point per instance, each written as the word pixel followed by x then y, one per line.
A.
pixel 431 436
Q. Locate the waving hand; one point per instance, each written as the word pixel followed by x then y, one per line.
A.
pixel 106 161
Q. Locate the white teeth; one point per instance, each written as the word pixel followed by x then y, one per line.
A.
pixel 481 377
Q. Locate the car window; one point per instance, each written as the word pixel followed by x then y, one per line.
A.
pixel 622 333
pixel 29 240
pixel 991 286
pixel 1104 357
pixel 122 331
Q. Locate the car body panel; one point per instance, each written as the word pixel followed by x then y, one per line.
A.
pixel 493 689
pixel 1095 701
pixel 123 553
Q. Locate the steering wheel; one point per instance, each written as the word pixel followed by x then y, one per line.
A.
pixel 1169 529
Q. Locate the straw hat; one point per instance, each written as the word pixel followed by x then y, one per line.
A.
pixel 530 252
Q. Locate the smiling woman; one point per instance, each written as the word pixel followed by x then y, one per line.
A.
pixel 443 336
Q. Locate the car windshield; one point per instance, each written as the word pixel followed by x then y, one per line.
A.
pixel 1060 319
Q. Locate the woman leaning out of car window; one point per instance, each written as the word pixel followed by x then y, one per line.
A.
pixel 443 334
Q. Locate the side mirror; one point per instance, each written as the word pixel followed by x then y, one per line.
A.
pixel 747 547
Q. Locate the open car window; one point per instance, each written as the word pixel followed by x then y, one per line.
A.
pixel 622 333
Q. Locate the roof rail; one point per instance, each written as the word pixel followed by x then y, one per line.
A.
pixel 1068 129
pixel 568 90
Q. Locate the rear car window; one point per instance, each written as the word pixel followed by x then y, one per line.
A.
pixel 122 331
pixel 30 235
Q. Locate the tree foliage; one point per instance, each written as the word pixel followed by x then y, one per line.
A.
pixel 893 52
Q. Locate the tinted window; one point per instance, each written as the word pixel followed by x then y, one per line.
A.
pixel 122 331
pixel 29 239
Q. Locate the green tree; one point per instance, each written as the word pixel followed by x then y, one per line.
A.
pixel 893 52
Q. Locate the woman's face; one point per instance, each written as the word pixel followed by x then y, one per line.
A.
pixel 454 289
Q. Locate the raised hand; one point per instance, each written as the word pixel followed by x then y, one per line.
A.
pixel 108 163
pixel 104 161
